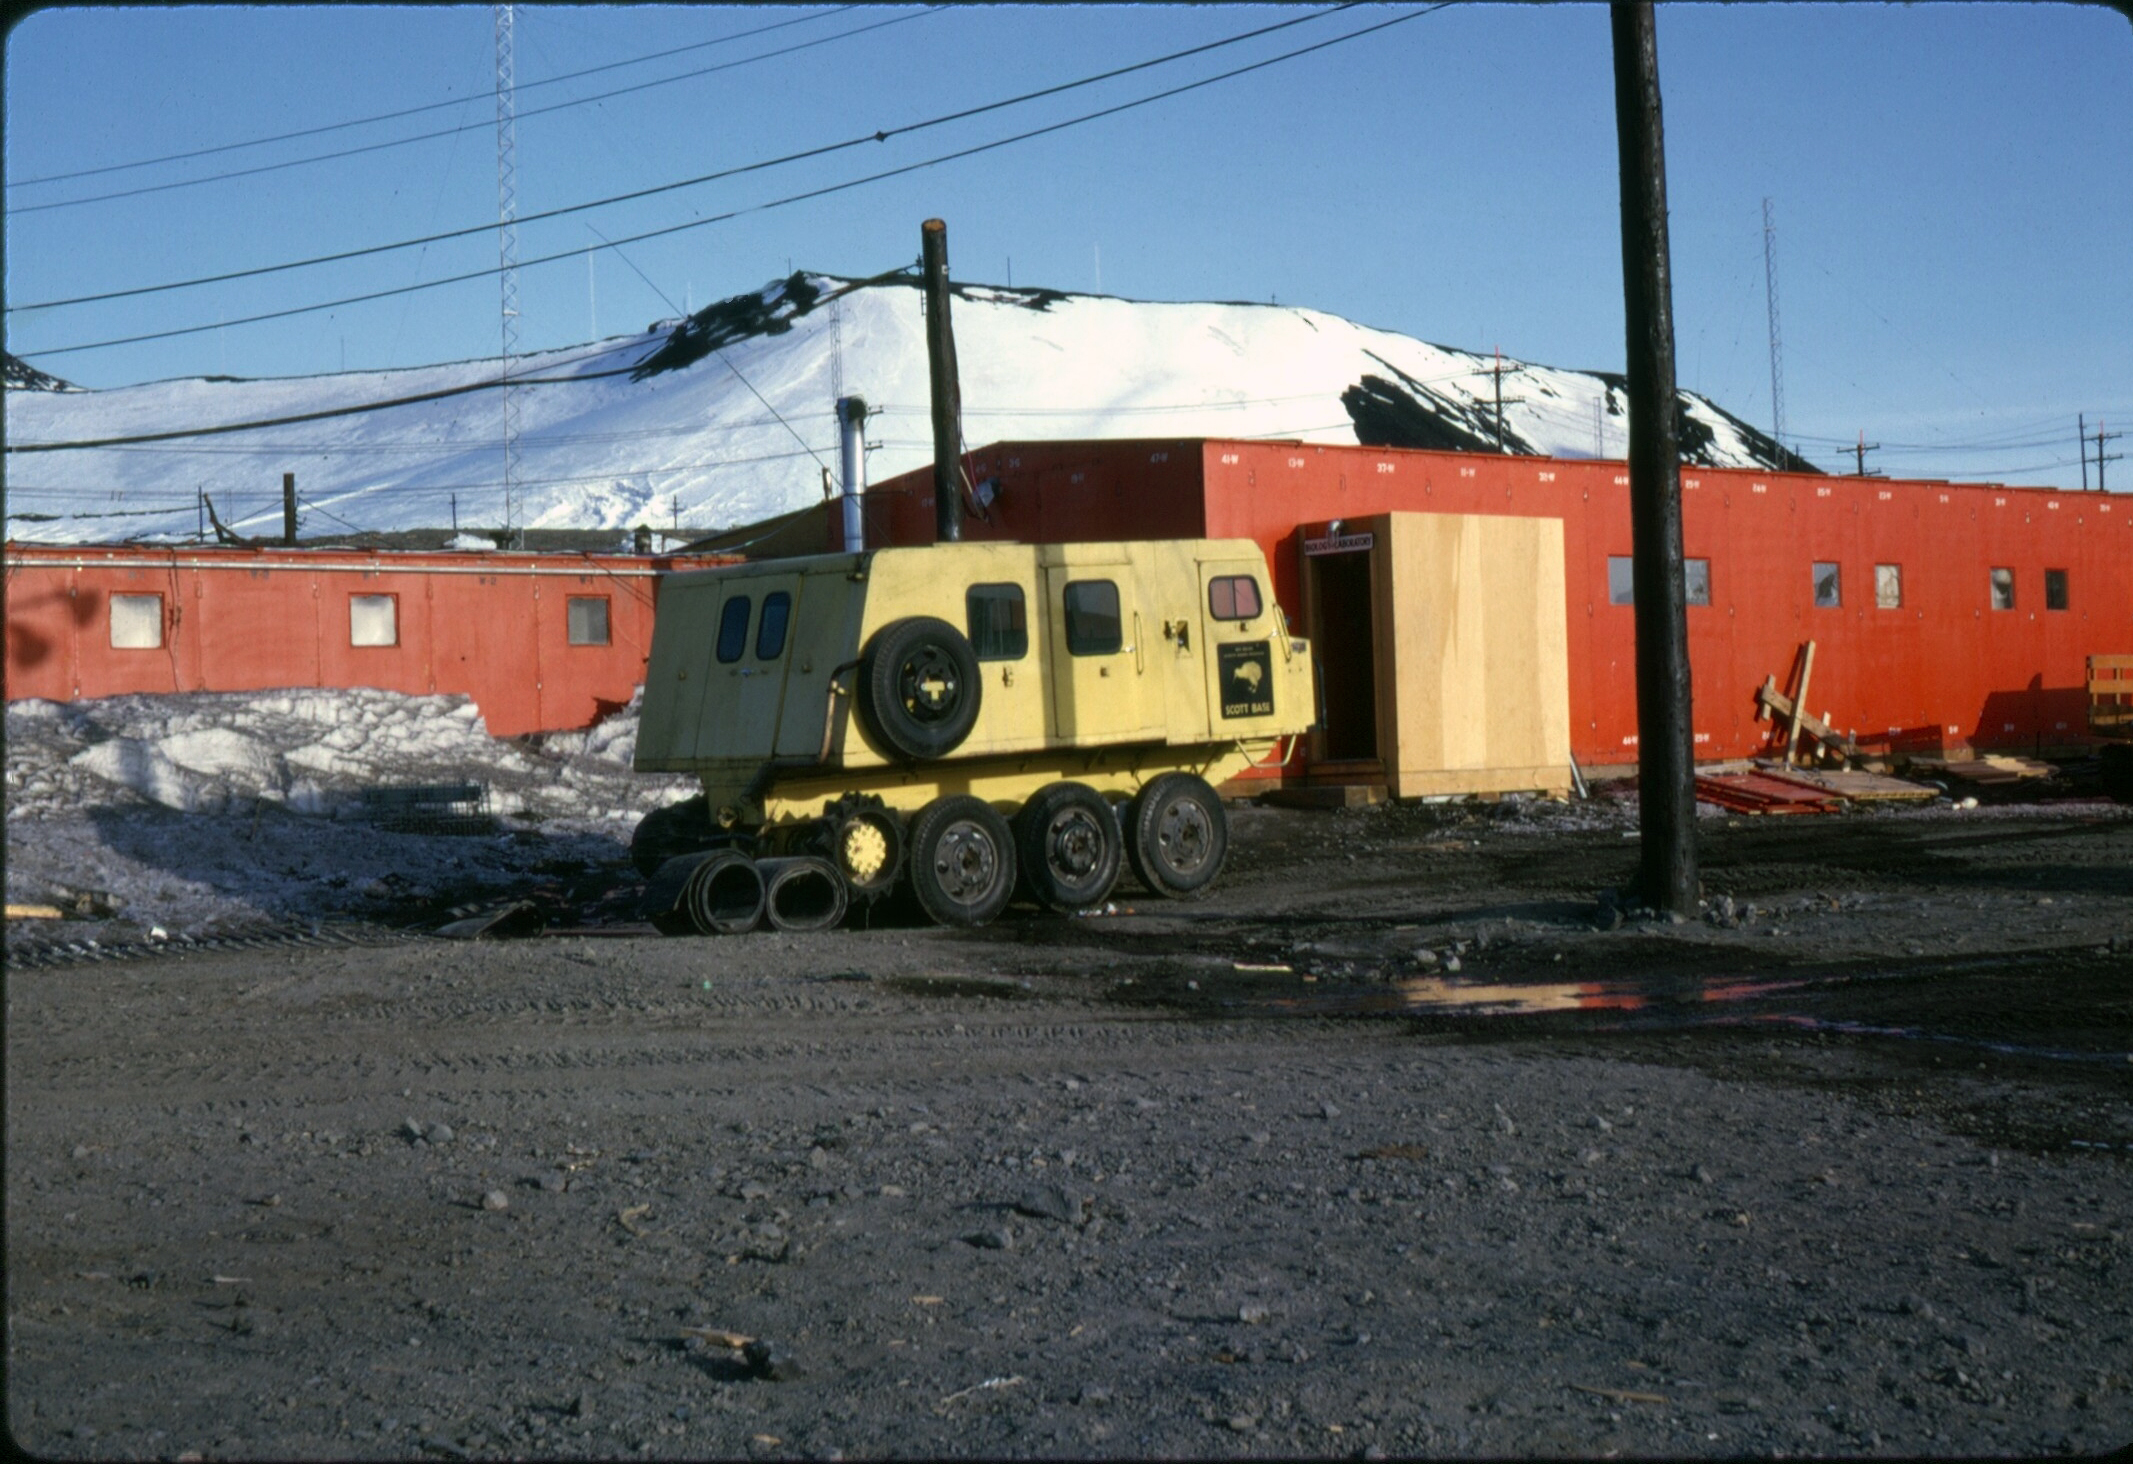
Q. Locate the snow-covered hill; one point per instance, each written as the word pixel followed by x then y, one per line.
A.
pixel 727 416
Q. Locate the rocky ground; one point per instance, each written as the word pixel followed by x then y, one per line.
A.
pixel 1400 1143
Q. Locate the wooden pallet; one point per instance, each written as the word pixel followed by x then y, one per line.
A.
pixel 2111 696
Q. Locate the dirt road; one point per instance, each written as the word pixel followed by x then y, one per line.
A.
pixel 1398 1144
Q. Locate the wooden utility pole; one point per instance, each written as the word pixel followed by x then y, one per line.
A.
pixel 288 508
pixel 1862 450
pixel 947 392
pixel 1666 769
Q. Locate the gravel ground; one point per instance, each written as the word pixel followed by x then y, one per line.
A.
pixel 1398 1144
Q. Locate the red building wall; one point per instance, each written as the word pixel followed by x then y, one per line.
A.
pixel 1944 671
pixel 493 626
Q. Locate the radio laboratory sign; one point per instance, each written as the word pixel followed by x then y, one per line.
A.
pixel 1341 544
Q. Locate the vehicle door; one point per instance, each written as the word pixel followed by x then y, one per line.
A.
pixel 745 676
pixel 1097 653
pixel 1239 630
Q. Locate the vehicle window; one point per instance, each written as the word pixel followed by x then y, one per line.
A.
pixel 770 635
pixel 588 620
pixel 1888 587
pixel 136 622
pixel 2055 589
pixel 1092 620
pixel 1621 583
pixel 2003 589
pixel 1829 593
pixel 998 620
pixel 1233 597
pixel 733 628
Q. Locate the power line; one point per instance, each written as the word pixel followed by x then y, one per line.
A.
pixel 880 135
pixel 371 147
pixel 789 199
pixel 201 152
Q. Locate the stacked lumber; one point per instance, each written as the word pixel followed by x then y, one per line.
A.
pixel 1765 792
pixel 1992 770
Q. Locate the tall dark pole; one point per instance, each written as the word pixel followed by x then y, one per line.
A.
pixel 947 391
pixel 288 508
pixel 1666 769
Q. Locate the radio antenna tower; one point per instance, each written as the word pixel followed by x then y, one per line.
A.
pixel 507 247
pixel 1777 363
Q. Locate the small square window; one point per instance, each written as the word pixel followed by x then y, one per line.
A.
pixel 1093 627
pixel 1696 580
pixel 1621 583
pixel 2055 589
pixel 998 620
pixel 733 628
pixel 373 620
pixel 136 622
pixel 1233 597
pixel 1829 593
pixel 588 620
pixel 1888 587
pixel 2003 589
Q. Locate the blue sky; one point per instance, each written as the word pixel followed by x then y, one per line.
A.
pixel 1952 187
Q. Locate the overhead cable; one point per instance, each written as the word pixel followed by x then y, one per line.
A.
pixel 201 152
pixel 880 135
pixel 371 147
pixel 786 201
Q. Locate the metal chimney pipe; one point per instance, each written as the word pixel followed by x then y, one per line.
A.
pixel 852 416
pixel 947 391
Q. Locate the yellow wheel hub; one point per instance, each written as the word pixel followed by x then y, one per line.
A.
pixel 865 851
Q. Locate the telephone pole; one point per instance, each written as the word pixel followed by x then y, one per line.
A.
pixel 1666 752
pixel 2101 438
pixel 507 244
pixel 1501 398
pixel 2081 436
pixel 1862 450
pixel 1777 368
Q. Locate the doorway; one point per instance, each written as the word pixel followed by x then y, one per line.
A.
pixel 1342 638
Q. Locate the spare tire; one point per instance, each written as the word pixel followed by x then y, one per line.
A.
pixel 919 687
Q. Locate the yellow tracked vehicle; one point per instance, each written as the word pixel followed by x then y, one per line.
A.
pixel 969 719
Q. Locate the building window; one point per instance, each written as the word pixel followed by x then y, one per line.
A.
pixel 1233 597
pixel 136 622
pixel 998 620
pixel 588 620
pixel 1888 587
pixel 1828 592
pixel 770 635
pixel 2003 589
pixel 2055 589
pixel 1092 620
pixel 733 629
pixel 373 620
pixel 1622 580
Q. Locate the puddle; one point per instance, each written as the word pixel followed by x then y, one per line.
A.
pixel 1672 1002
pixel 958 986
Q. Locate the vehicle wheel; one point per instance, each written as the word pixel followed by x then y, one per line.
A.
pixel 1067 840
pixel 962 860
pixel 919 687
pixel 1177 836
pixel 679 828
pixel 865 840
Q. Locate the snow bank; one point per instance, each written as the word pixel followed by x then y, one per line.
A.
pixel 210 810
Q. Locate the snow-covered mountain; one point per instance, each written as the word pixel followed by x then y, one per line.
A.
pixel 727 416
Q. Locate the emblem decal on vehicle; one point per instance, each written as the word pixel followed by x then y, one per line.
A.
pixel 1246 689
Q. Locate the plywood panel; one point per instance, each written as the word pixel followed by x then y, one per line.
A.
pixel 1471 622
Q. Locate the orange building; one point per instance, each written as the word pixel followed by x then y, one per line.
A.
pixel 541 642
pixel 1947 617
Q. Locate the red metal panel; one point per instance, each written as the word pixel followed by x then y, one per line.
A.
pixel 492 626
pixel 1940 671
